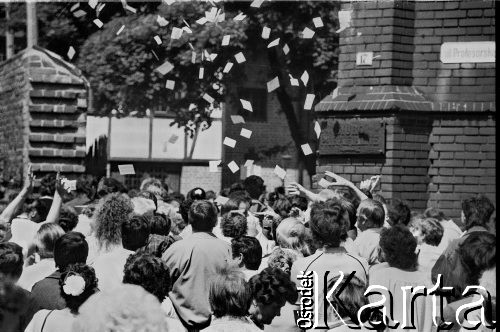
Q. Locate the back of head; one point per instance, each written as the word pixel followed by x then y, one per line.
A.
pixel 371 214
pixel 272 285
pixel 230 205
pixel 108 186
pixel 299 202
pixel 197 194
pixel 229 294
pixel 143 205
pixel 123 309
pixel 149 195
pixel 11 260
pixel 477 211
pixel 478 253
pixel 435 214
pixel 292 234
pixel 379 198
pixel 160 224
pixel 45 239
pixel 68 218
pixel 78 282
pixel 149 272
pixel 398 246
pixel 236 187
pixel 282 259
pixel 349 301
pixel 282 207
pixel 254 185
pixel 241 197
pixel 431 230
pixel 399 213
pixel 203 216
pixel 184 209
pixel 234 224
pixel 154 186
pixel 112 211
pixel 69 249
pixel 327 224
pixel 251 250
pixel 135 232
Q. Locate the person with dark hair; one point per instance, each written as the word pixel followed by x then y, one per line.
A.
pixel 370 220
pixel 451 231
pixel 271 289
pixel 282 259
pixel 184 228
pixel 151 273
pixel 154 186
pixel 108 186
pixel 476 213
pixel 254 186
pixel 68 218
pixel 428 232
pixel 17 305
pixel 191 263
pixel 282 207
pixel 399 213
pixel 400 269
pixel 77 283
pixel 113 211
pixel 43 255
pixel 84 192
pixel 211 196
pixel 197 194
pixel 247 255
pixel 135 232
pixel 230 298
pixel 328 226
pixel 233 225
pixel 69 249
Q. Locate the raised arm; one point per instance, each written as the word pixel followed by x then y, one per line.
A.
pixel 297 189
pixel 344 182
pixel 55 208
pixel 8 213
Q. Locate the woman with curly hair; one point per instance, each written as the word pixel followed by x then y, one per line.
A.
pixel 111 256
pixel 271 289
pixel 400 269
pixel 428 232
pixel 292 234
pixel 78 282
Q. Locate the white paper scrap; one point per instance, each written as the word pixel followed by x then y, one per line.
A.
pixel 309 101
pixel 233 166
pixel 239 57
pixel 131 9
pixel 248 163
pixel 293 81
pixel 165 68
pixel 274 43
pixel 229 142
pixel 239 17
pixel 120 30
pixel 201 21
pixel 71 52
pixel 208 98
pixel 79 13
pixel 98 23
pixel 201 73
pixel 93 3
pixel 169 2
pixel 228 67
pixel 306 148
pixel 307 33
pixel 318 22
pixel 221 200
pixel 273 84
pixel 225 40
pixel 176 33
pixel 237 119
pixel 157 40
pixel 317 129
pixel 246 105
pixel 170 84
pixel 245 133
pixel 173 139
pixel 212 165
pixel 161 21
pixel 256 3
pixel 324 183
pixel 305 77
pixel 344 19
pixel 280 172
pixel 126 169
pixel 266 32
pixel 286 49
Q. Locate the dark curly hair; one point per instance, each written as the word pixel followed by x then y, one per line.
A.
pixel 234 225
pixel 282 207
pixel 160 224
pixel 149 272
pixel 113 210
pixel 202 216
pixel 68 218
pixel 254 185
pixel 11 259
pixel 299 202
pixel 110 185
pixel 477 211
pixel 184 209
pixel 327 224
pixel 272 285
pixel 399 212
pixel 88 275
pixel 135 232
pixel 478 253
pixel 398 245
pixel 251 250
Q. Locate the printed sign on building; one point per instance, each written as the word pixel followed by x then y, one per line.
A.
pixel 467 52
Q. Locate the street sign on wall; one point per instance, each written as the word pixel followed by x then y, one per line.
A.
pixel 352 137
pixel 468 52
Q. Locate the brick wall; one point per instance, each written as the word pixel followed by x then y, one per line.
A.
pixel 440 117
pixel 46 111
pixel 199 176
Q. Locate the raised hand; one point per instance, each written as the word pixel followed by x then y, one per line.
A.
pixel 29 179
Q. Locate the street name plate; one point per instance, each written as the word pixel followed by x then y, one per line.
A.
pixel 468 52
pixel 352 137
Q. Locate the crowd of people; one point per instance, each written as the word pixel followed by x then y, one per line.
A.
pixel 101 257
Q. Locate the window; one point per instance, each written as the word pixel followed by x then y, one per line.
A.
pixel 258 98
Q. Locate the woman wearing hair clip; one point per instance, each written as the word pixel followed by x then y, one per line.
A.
pixel 78 282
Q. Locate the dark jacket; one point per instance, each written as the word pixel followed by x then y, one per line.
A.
pixel 47 293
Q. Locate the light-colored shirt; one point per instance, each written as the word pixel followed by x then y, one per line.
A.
pixel 57 321
pixel 109 267
pixel 36 272
pixel 23 232
pixel 450 232
pixel 427 256
pixel 367 246
pixel 232 324
pixel 192 262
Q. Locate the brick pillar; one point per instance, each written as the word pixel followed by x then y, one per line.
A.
pixel 433 111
